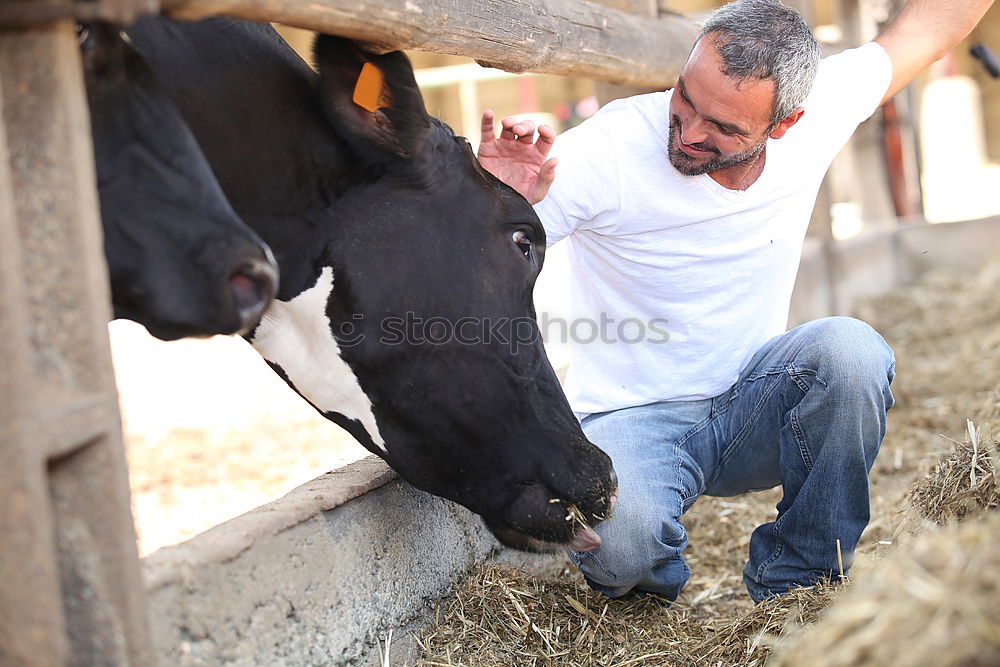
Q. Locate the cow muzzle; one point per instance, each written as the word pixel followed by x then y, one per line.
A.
pixel 539 523
pixel 252 287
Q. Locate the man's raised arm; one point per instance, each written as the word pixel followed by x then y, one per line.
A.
pixel 925 31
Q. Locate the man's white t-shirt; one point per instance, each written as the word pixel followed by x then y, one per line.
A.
pixel 682 279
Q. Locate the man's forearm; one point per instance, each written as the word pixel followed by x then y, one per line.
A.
pixel 924 31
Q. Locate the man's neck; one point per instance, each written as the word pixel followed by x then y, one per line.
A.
pixel 740 176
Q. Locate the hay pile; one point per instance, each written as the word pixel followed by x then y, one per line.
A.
pixel 937 600
pixel 946 336
pixel 935 603
pixel 510 617
pixel 963 485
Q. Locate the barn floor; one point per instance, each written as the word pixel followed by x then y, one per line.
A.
pixel 946 335
pixel 211 433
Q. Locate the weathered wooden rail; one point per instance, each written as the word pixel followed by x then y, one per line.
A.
pixel 568 37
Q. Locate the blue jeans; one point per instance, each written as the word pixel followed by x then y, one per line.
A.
pixel 808 412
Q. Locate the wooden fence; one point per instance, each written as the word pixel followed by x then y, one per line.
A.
pixel 70 589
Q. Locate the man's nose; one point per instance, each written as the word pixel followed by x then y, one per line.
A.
pixel 694 131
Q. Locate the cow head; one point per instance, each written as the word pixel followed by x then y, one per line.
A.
pixel 180 260
pixel 405 312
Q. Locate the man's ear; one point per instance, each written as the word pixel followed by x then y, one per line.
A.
pixel 372 100
pixel 786 123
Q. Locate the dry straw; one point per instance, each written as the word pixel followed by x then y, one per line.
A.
pixel 963 484
pixel 510 617
pixel 936 601
pixel 933 604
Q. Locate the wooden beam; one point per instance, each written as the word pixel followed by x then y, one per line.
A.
pixel 567 37
pixel 639 7
pixel 606 91
pixel 27 13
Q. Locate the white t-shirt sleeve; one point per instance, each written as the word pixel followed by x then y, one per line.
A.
pixel 849 88
pixel 586 187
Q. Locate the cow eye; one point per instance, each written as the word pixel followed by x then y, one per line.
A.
pixel 523 242
pixel 82 35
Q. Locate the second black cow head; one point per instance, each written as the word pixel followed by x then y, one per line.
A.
pixel 181 262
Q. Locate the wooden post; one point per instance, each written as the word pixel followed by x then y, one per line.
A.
pixel 70 588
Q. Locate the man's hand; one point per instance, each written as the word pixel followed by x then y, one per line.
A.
pixel 516 158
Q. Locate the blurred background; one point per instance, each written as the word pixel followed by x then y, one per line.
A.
pixel 212 432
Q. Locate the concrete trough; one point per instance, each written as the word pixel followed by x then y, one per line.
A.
pixel 323 575
pixel 318 577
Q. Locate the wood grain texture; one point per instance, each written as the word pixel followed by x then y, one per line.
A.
pixel 567 37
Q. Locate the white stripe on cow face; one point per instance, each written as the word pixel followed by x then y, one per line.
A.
pixel 296 335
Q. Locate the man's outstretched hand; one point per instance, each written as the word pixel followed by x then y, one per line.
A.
pixel 516 158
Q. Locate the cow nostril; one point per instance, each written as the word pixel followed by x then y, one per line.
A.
pixel 252 286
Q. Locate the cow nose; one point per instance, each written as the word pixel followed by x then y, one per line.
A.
pixel 253 286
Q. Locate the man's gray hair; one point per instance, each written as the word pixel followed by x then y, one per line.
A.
pixel 764 39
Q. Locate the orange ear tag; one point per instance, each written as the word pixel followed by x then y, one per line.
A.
pixel 370 92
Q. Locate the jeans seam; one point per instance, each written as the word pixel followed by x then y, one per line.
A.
pixel 677 476
pixel 598 562
pixel 778 549
pixel 759 375
pixel 683 497
pixel 678 445
pixel 800 439
pixel 796 374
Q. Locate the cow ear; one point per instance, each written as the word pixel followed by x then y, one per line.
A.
pixel 371 99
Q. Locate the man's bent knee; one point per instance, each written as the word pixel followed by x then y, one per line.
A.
pixel 848 354
pixel 637 554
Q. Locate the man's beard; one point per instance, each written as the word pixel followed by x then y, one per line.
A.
pixel 690 166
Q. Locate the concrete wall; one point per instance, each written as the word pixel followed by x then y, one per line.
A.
pixel 957 246
pixel 833 274
pixel 321 576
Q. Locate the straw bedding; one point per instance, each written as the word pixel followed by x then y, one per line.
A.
pixel 920 593
pixel 935 603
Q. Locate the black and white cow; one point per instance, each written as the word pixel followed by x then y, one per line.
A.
pixel 381 218
pixel 181 262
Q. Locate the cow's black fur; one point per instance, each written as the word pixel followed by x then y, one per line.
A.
pixel 181 262
pixel 400 209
